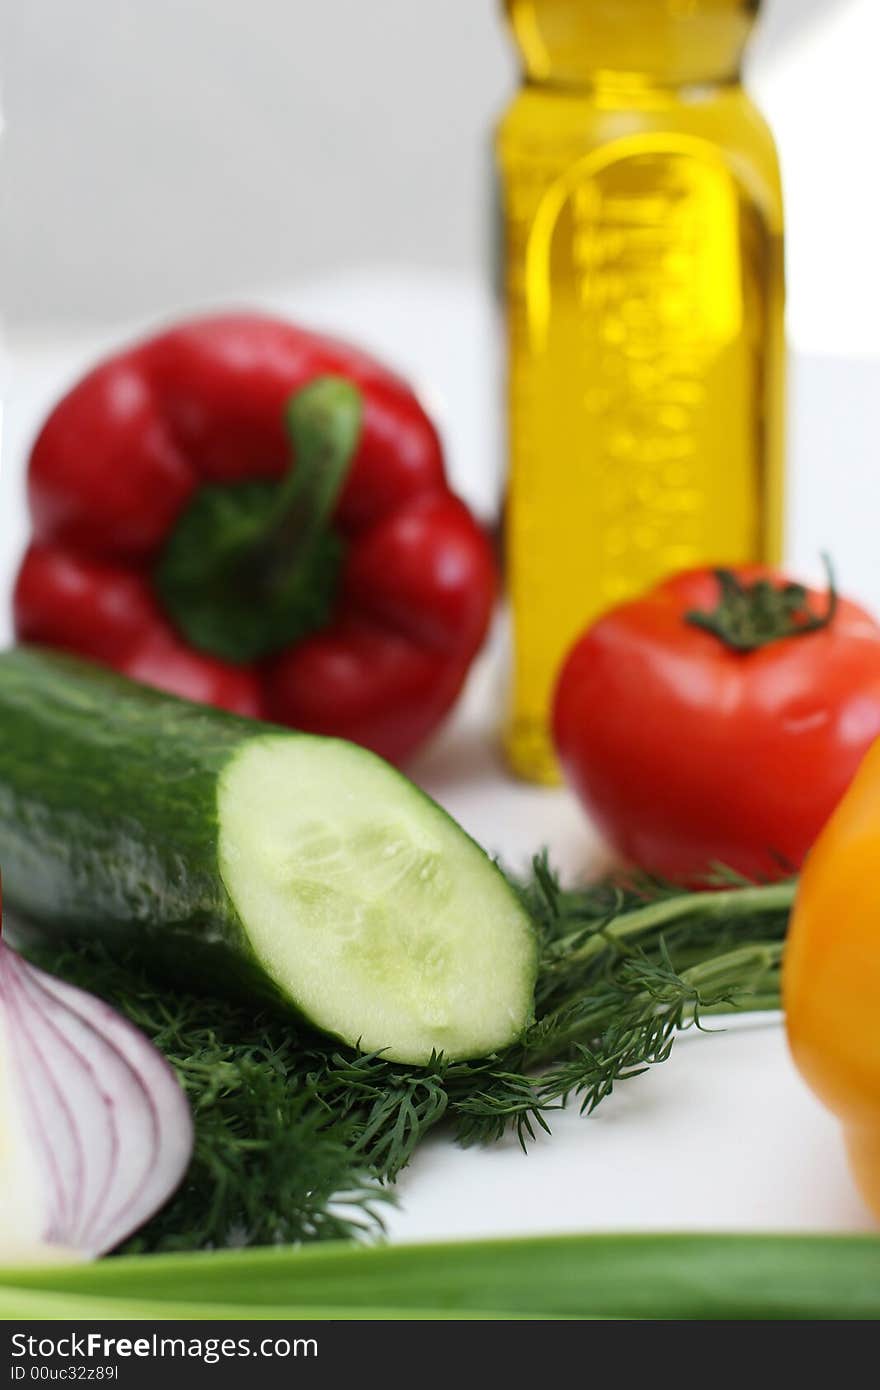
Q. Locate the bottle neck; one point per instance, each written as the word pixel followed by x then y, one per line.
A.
pixel 631 44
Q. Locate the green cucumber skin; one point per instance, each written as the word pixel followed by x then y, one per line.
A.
pixel 108 805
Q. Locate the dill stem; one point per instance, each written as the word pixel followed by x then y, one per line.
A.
pixel 727 903
pixel 766 1002
pixel 742 969
pixel 753 961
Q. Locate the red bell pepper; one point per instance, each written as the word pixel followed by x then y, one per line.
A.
pixel 172 540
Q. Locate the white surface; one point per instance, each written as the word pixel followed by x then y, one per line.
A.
pixel 723 1135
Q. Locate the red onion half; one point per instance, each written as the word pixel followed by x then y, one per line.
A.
pixel 95 1131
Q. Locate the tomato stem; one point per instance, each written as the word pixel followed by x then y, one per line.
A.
pixel 751 616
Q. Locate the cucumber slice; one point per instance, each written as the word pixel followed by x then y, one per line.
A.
pixel 302 868
pixel 368 905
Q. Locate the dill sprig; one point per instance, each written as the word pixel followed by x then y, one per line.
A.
pixel 297 1136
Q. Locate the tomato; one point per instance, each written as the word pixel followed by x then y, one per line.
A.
pixel 719 719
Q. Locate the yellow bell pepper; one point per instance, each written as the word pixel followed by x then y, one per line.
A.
pixel 831 972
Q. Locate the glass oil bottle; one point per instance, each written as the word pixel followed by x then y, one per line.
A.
pixel 643 277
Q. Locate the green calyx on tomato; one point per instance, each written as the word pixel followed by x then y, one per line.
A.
pixel 753 614
pixel 251 567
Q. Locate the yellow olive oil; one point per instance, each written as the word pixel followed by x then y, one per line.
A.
pixel 644 289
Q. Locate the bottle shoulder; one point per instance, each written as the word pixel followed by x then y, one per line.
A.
pixel 556 128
